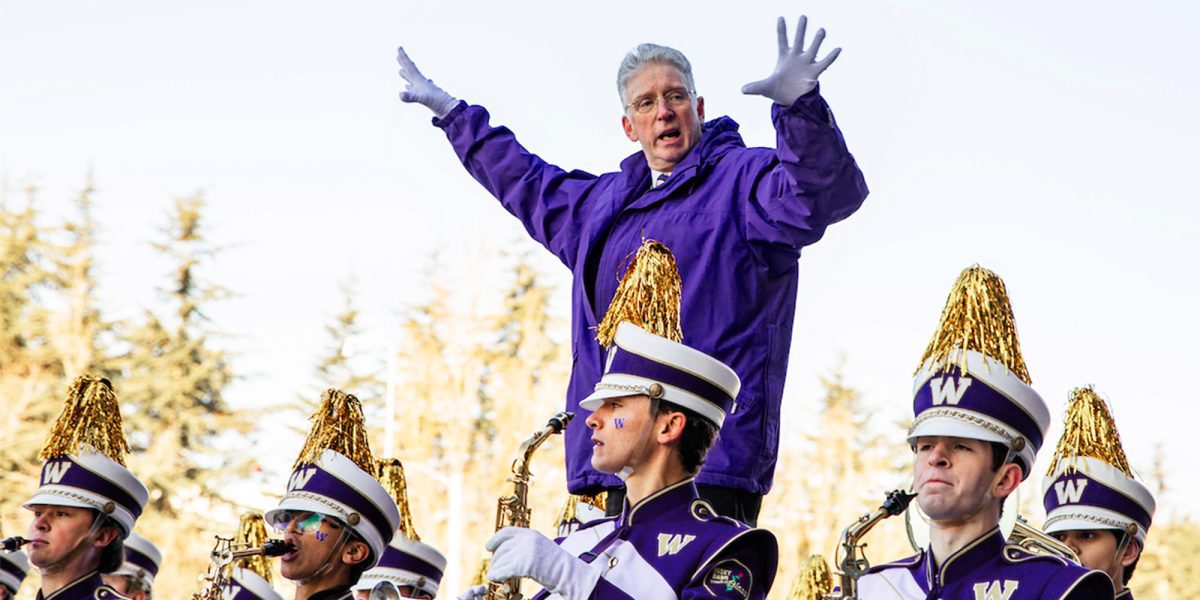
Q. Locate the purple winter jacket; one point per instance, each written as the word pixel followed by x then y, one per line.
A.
pixel 735 218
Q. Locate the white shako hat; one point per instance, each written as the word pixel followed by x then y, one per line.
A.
pixel 1090 484
pixel 142 558
pixel 245 584
pixel 640 362
pixel 407 562
pixel 333 476
pixel 85 454
pixel 972 381
pixel 13 568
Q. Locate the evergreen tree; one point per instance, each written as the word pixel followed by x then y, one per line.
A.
pixel 174 377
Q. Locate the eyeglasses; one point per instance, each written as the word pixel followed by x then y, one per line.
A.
pixel 306 522
pixel 673 99
pixel 386 590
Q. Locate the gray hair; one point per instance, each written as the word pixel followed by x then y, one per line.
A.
pixel 644 54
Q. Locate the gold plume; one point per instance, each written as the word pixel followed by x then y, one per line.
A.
pixel 90 421
pixel 569 512
pixel 648 296
pixel 813 582
pixel 338 425
pixel 480 577
pixel 978 316
pixel 1089 430
pixel 252 533
pixel 390 474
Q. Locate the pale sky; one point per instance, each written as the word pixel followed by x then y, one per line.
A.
pixel 1050 142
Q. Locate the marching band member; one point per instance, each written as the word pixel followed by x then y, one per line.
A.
pixel 741 215
pixel 1093 503
pixel 335 513
pixel 977 428
pixel 13 568
pixel 135 577
pixel 88 501
pixel 656 411
pixel 409 567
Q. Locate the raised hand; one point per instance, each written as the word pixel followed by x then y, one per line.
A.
pixel 421 89
pixel 518 552
pixel 796 70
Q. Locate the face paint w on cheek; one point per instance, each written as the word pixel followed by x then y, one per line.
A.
pixel 619 422
pixel 320 535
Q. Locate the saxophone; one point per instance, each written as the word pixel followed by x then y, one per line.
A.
pixel 1035 541
pixel 854 562
pixel 223 554
pixel 512 510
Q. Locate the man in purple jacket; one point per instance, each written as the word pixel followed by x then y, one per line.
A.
pixel 735 217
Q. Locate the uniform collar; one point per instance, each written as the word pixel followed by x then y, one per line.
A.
pixel 1125 594
pixel 88 587
pixel 660 502
pixel 964 561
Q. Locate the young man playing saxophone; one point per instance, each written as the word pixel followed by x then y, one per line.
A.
pixel 656 412
pixel 977 428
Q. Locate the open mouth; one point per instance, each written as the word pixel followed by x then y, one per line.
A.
pixel 669 135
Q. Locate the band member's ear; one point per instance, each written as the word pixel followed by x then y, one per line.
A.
pixel 356 551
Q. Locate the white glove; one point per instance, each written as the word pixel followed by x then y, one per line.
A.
pixel 420 89
pixel 797 69
pixel 519 552
pixel 478 592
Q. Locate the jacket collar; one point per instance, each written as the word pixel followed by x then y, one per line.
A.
pixel 659 503
pixel 86 587
pixel 717 137
pixel 964 561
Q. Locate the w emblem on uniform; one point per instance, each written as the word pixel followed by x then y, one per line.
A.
pixel 672 544
pixel 54 472
pixel 230 592
pixel 1070 491
pixel 946 392
pixel 995 590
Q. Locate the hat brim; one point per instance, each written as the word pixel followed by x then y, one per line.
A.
pixel 951 427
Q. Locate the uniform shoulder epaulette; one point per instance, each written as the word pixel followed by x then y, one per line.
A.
pixel 703 511
pixel 108 593
pixel 1015 554
pixel 906 562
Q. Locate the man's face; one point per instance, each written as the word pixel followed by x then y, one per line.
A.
pixel 315 537
pixel 953 478
pixel 56 531
pixel 1097 550
pixel 622 433
pixel 666 132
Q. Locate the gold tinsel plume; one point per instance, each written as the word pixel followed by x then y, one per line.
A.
pixel 1089 430
pixel 252 533
pixel 813 582
pixel 390 474
pixel 338 425
pixel 90 422
pixel 978 316
pixel 648 296
pixel 570 509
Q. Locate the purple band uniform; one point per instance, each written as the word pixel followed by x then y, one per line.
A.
pixel 671 545
pixel 88 587
pixel 985 568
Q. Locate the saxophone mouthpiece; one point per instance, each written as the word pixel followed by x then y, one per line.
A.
pixel 13 543
pixel 559 421
pixel 897 502
pixel 277 548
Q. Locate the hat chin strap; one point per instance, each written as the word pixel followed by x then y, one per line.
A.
pixel 1126 537
pixel 61 563
pixel 328 564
